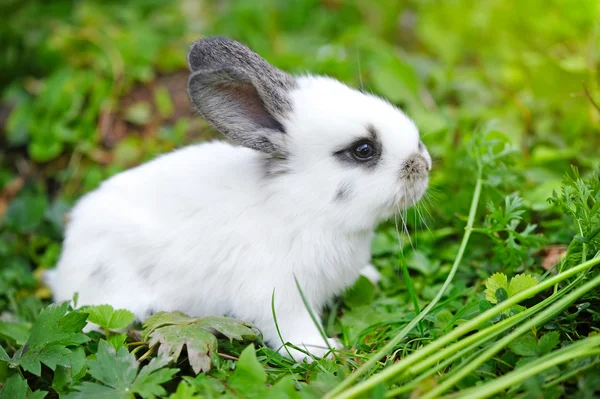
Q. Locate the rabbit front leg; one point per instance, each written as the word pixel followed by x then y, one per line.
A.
pixel 371 273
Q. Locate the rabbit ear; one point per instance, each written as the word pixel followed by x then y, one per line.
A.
pixel 239 93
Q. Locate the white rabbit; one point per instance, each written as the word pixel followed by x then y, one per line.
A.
pixel 214 229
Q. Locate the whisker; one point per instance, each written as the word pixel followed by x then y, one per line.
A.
pixel 406 229
pixel 400 240
pixel 422 216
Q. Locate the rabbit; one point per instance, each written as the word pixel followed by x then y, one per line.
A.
pixel 218 228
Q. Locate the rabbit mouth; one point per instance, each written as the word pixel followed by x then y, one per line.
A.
pixel 411 193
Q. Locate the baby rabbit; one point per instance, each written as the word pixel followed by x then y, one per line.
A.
pixel 215 228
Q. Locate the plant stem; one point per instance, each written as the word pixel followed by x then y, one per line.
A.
pixel 315 320
pixel 404 332
pixel 460 349
pixel 411 290
pixel 486 334
pixel 541 318
pixel 583 348
pixel 397 368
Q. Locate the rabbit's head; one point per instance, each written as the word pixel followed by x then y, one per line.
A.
pixel 342 151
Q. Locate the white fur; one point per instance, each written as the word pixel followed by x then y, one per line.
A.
pixel 203 231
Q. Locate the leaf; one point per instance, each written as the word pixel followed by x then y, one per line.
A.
pixel 228 326
pixel 89 390
pixel 200 344
pixel 161 319
pixel 3 355
pixel 18 332
pixel 519 283
pixel 249 377
pixel 248 373
pixel 174 330
pixel 185 391
pixel 15 387
pixel 107 317
pixel 524 346
pixel 148 382
pixel 116 369
pixel 38 395
pixel 284 388
pixel 495 281
pixel 548 342
pixel 117 340
pixel 117 374
pixel 67 376
pixel 26 212
pixel 53 331
pixel 501 295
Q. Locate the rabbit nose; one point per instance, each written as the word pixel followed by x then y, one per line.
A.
pixel 415 166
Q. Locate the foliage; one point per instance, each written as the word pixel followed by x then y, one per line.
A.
pixel 119 377
pixel 506 98
pixel 172 331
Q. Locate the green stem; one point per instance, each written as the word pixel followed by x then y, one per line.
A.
pixel 404 332
pixel 486 334
pixel 277 324
pixel 460 349
pixel 411 290
pixel 315 320
pixel 399 367
pixel 541 318
pixel 571 374
pixel 583 348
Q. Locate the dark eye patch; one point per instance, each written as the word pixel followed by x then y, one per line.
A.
pixel 364 152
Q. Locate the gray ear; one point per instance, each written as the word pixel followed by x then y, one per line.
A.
pixel 239 93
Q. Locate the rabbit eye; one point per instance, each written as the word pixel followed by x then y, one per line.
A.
pixel 363 151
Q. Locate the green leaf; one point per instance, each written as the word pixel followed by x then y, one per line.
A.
pixel 185 391
pixel 3 355
pixel 117 340
pixel 249 377
pixel 15 387
pixel 148 382
pixel 519 283
pixel 65 377
pixel 89 390
pixel 51 334
pixel 501 295
pixel 26 212
pixel 17 332
pixel 38 395
pixel 229 327
pixel 172 331
pixel 116 369
pixel 284 388
pixel 248 373
pixel 548 342
pixel 107 317
pixel 200 344
pixel 495 281
pixel 162 319
pixel 116 372
pixel 524 346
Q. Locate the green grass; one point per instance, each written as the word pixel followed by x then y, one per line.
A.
pixel 490 285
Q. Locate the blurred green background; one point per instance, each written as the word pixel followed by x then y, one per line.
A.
pixel 89 88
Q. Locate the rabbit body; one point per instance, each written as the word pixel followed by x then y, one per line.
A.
pixel 196 231
pixel 218 229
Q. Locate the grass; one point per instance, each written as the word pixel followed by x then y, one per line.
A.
pixel 490 284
